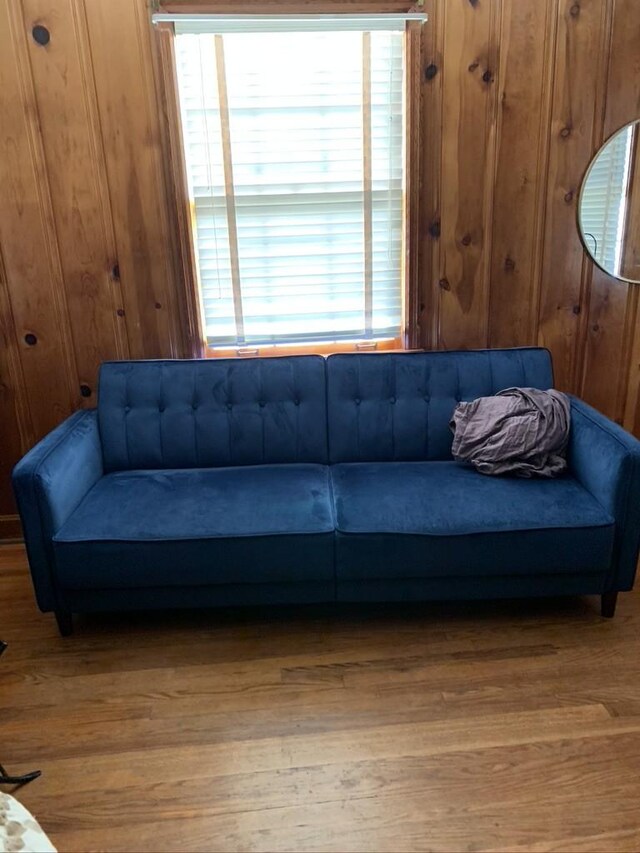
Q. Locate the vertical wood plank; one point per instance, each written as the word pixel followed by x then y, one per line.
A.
pixel 428 290
pixel 15 420
pixel 578 67
pixel 606 379
pixel 632 402
pixel 79 193
pixel 119 37
pixel 525 78
pixel 27 236
pixel 471 40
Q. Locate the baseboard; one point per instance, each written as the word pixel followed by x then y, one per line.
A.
pixel 10 528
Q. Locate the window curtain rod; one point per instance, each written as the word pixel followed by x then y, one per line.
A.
pixel 282 22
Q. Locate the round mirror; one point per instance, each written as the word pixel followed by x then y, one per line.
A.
pixel 609 205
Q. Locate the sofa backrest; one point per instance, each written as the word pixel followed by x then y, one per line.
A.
pixel 212 412
pixel 397 406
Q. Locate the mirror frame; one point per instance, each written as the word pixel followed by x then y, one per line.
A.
pixel 636 123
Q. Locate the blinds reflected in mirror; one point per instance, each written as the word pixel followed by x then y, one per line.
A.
pixel 604 201
pixel 294 151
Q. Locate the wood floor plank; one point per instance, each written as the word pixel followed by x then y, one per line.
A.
pixel 510 726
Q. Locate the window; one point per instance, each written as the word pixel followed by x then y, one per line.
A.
pixel 294 138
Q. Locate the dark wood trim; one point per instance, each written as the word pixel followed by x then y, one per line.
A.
pixel 10 528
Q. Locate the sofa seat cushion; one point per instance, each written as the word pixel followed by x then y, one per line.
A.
pixel 266 523
pixel 429 519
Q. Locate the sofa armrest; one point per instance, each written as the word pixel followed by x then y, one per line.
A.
pixel 606 461
pixel 49 483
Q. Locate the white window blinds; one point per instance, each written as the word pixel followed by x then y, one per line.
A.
pixel 294 150
pixel 604 201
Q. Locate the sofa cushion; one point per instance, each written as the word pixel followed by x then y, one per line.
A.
pixel 212 412
pixel 397 406
pixel 422 519
pixel 258 524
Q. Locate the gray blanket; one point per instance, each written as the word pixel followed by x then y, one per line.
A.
pixel 521 431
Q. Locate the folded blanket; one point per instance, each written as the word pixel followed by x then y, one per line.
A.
pixel 519 431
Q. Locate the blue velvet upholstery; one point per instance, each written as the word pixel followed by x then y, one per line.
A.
pixel 606 460
pixel 218 595
pixel 212 413
pixel 469 588
pixel 49 483
pixel 296 479
pixel 199 527
pixel 395 407
pixel 432 519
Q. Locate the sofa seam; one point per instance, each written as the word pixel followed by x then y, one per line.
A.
pixel 160 411
pixel 229 536
pixel 485 532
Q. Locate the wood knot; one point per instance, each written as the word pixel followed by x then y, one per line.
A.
pixel 430 71
pixel 509 264
pixel 466 240
pixel 595 328
pixel 158 305
pixel 565 132
pixel 85 390
pixel 30 339
pixel 41 35
pixel 487 77
pixel 574 11
pixel 434 229
pixel 120 312
pixel 568 197
pixel 576 309
pixel 444 284
pixel 474 65
pixel 115 272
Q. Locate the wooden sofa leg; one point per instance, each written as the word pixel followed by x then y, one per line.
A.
pixel 65 622
pixel 608 604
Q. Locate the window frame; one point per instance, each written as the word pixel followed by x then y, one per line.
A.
pixel 180 207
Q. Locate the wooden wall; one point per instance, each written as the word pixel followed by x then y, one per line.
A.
pixel 516 97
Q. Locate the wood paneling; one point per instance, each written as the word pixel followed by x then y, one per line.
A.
pixel 11 418
pixel 131 140
pixel 471 726
pixel 34 282
pixel 515 97
pixel 525 78
pixel 579 61
pixel 429 226
pixel 612 321
pixel 79 192
pixel 469 99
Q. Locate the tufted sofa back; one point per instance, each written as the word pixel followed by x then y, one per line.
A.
pixel 212 412
pixel 347 408
pixel 397 406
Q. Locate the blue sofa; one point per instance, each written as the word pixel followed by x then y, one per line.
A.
pixel 304 479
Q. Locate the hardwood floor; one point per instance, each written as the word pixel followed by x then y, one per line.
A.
pixel 500 726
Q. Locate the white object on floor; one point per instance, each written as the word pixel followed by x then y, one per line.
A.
pixel 20 832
